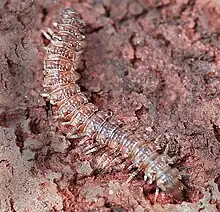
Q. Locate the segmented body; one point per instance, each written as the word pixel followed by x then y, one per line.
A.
pixel 81 118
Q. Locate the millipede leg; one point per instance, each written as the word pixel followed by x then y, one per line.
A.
pixel 87 144
pixel 151 178
pixel 73 134
pixel 132 166
pixel 114 159
pixel 84 140
pixel 73 131
pixel 47 34
pixel 146 176
pixel 166 149
pixel 173 160
pixel 133 175
pixel 92 148
pixel 108 163
pixel 156 194
pixel 157 139
pixel 122 164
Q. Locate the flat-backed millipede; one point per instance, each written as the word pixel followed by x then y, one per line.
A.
pixel 81 118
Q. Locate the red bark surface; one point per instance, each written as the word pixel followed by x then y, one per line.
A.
pixel 156 64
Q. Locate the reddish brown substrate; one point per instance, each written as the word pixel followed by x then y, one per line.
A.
pixel 154 63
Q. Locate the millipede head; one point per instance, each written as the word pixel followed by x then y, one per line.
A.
pixel 170 183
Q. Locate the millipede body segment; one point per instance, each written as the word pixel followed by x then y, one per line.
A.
pixel 81 118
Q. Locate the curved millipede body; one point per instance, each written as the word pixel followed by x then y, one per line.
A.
pixel 81 118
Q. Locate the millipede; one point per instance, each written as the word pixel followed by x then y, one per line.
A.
pixel 80 118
